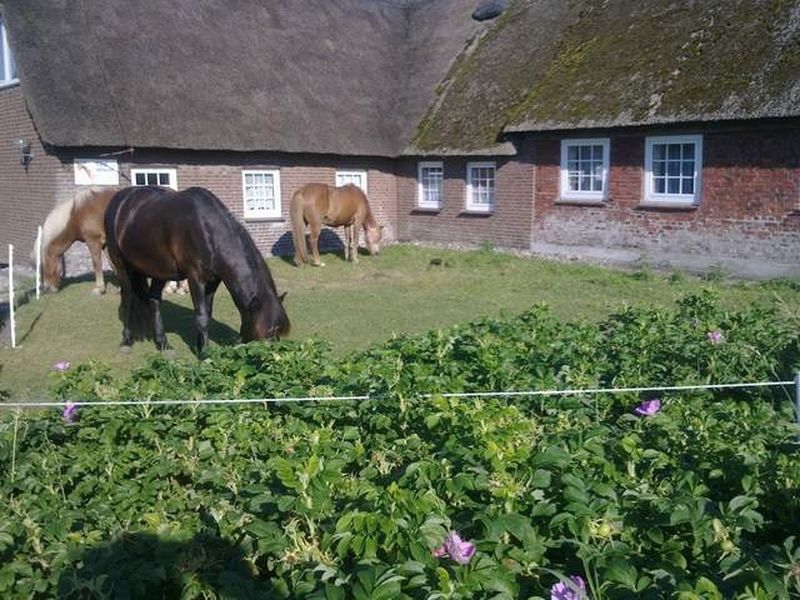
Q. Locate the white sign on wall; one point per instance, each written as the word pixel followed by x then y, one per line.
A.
pixel 90 171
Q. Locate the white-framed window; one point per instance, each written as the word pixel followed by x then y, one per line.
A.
pixel 96 171
pixel 8 67
pixel 355 176
pixel 430 184
pixel 584 169
pixel 262 194
pixel 673 169
pixel 480 186
pixel 163 177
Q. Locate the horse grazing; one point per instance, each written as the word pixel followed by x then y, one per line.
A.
pixel 167 235
pixel 317 204
pixel 79 219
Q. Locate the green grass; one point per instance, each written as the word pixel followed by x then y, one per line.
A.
pixel 407 289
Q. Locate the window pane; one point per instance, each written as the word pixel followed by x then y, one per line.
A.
pixel 659 185
pixel 688 186
pixel 140 180
pixel 659 168
pixel 152 179
pixel 3 63
pixel 659 152
pixel 688 168
pixel 163 179
pixel 674 151
pixel 688 151
pixel 673 185
pixel 572 153
pixel 585 152
pixel 673 168
pixel 573 183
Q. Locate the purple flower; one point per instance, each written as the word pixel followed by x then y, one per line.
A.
pixel 70 413
pixel 61 365
pixel 648 408
pixel 715 337
pixel 565 591
pixel 454 547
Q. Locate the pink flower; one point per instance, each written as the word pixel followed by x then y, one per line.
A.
pixel 61 365
pixel 70 413
pixel 576 590
pixel 454 547
pixel 715 337
pixel 648 408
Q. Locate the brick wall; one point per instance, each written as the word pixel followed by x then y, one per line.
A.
pixel 507 226
pixel 747 209
pixel 221 173
pixel 26 195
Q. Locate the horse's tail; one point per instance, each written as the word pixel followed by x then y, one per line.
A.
pixel 141 315
pixel 298 227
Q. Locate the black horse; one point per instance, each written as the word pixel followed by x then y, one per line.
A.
pixel 166 235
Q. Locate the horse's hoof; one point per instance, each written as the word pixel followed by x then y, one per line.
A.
pixel 98 291
pixel 125 349
pixel 319 264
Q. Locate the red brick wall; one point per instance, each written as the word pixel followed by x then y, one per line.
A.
pixel 748 205
pixel 26 196
pixel 221 172
pixel 508 226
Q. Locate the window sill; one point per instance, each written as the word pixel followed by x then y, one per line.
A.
pixel 667 205
pixel 8 84
pixel 264 220
pixel 476 213
pixel 426 209
pixel 582 201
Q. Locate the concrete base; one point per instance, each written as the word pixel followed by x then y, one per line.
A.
pixel 755 269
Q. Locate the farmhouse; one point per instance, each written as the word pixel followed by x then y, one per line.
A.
pixel 670 129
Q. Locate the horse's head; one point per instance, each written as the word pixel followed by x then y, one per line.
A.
pixel 373 235
pixel 265 320
pixel 51 272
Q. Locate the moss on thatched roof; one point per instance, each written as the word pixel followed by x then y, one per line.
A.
pixel 564 64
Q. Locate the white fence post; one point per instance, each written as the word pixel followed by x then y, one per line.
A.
pixel 11 295
pixel 38 261
pixel 797 400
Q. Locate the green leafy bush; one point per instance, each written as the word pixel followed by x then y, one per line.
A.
pixel 350 499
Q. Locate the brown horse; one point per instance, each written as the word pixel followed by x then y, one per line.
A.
pixel 167 235
pixel 317 204
pixel 79 219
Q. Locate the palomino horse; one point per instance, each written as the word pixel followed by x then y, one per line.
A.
pixel 166 235
pixel 79 219
pixel 317 204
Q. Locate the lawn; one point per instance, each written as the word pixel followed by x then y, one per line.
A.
pixel 408 289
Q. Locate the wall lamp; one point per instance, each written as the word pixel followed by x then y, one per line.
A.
pixel 25 154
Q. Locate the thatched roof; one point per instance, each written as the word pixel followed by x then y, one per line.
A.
pixel 323 76
pixel 573 64
pixel 393 77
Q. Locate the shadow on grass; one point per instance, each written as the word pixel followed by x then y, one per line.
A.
pixel 145 565
pixel 329 244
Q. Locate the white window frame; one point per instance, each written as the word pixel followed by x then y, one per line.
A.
pixel 343 174
pixel 173 175
pixel 667 199
pixel 422 202
pixel 591 196
pixel 471 205
pixel 275 212
pixel 7 58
